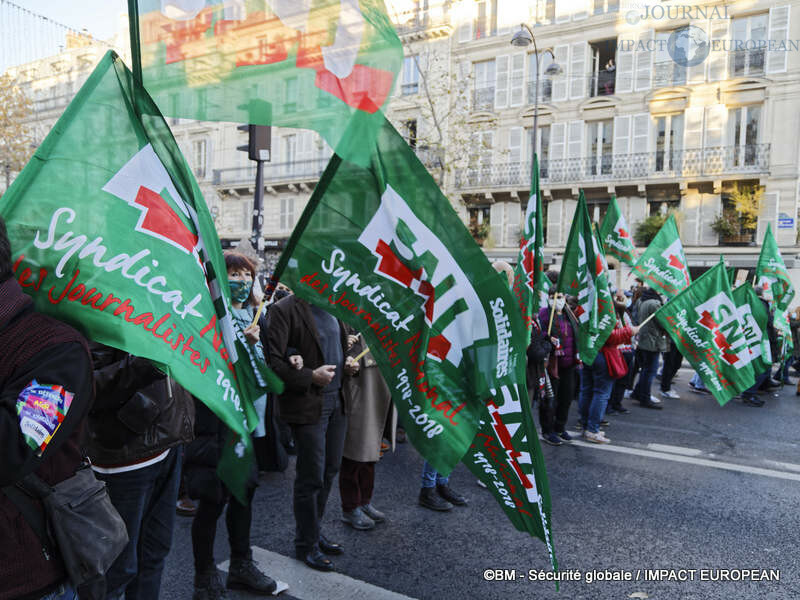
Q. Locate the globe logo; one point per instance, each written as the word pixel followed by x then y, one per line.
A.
pixel 688 46
pixel 632 17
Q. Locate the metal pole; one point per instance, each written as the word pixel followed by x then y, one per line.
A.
pixel 258 203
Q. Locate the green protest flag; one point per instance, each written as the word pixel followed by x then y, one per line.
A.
pixel 784 332
pixel 530 284
pixel 111 234
pixel 771 273
pixel 616 235
pixel 703 320
pixel 584 274
pixel 291 64
pixel 663 266
pixel 753 318
pixel 382 249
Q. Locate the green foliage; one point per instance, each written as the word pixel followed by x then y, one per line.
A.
pixel 646 230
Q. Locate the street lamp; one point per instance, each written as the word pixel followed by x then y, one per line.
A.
pixel 522 39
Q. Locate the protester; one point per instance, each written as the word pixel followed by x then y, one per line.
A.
pixel 137 427
pixel 561 370
pixel 37 354
pixel 652 342
pixel 202 461
pixel 597 381
pixel 436 493
pixel 672 360
pixel 749 396
pixel 314 406
pixel 621 303
pixel 370 403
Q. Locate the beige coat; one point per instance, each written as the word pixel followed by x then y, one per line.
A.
pixel 367 411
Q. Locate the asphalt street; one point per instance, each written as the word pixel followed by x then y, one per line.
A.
pixel 695 491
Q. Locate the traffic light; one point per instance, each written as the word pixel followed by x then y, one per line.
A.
pixel 259 142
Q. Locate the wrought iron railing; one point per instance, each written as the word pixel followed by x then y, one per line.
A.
pixel 483 98
pixel 545 91
pixel 288 172
pixel 747 62
pixel 693 162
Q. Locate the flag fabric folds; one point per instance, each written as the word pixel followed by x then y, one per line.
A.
pixel 289 64
pixel 382 249
pixel 663 264
pixel 753 317
pixel 111 234
pixel 771 273
pixel 616 235
pixel 584 274
pixel 530 284
pixel 703 321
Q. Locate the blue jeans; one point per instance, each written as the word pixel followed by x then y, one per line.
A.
pixel 649 363
pixel 145 499
pixel 697 381
pixel 430 478
pixel 64 592
pixel 596 386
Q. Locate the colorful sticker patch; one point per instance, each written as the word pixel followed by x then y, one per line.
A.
pixel 41 409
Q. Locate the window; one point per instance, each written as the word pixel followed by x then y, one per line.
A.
pixel 480 157
pixel 483 96
pixel 410 83
pixel 747 54
pixel 200 157
pixel 289 153
pixel 290 98
pixel 542 148
pixel 743 132
pixel 604 68
pixel 667 72
pixel 287 214
pixel 410 133
pixel 669 136
pixel 545 83
pixel 605 6
pixel 601 135
pixel 485 19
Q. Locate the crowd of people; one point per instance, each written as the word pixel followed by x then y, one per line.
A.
pixel 152 443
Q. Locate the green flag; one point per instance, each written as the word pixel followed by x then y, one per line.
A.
pixel 753 318
pixel 290 64
pixel 703 320
pixel 530 284
pixel 663 264
pixel 382 249
pixel 616 235
pixel 784 332
pixel 584 274
pixel 111 235
pixel 771 273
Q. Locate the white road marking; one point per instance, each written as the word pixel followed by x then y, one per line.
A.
pixel 784 465
pixel 308 584
pixel 674 449
pixel 693 460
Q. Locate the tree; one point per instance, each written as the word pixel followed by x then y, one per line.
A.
pixel 16 138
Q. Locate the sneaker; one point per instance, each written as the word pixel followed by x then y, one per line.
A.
pixel 373 513
pixel 753 401
pixel 208 586
pixel 671 395
pixel 552 439
pixel 357 519
pixel 627 393
pixel 453 497
pixel 697 389
pixel 565 436
pixel 243 574
pixel 596 438
pixel 655 400
pixel 430 499
pixel 185 507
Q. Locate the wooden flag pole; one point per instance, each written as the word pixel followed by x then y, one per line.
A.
pixel 362 355
pixel 643 323
pixel 552 312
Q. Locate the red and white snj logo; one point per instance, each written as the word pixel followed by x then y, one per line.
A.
pixel 143 183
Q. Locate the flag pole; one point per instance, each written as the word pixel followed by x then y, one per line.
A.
pixel 552 312
pixel 136 47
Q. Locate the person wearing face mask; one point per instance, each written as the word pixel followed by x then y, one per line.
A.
pixel 621 304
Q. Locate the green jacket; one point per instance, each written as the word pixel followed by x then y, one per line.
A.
pixel 651 337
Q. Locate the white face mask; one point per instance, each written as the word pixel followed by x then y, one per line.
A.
pixel 627 302
pixel 560 302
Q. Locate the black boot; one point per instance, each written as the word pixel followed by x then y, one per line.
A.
pixel 446 492
pixel 430 499
pixel 208 586
pixel 243 574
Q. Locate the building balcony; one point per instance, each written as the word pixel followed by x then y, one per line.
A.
pixel 274 173
pixel 653 166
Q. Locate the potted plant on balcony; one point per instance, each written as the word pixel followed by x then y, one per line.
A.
pixel 479 232
pixel 646 230
pixel 739 219
pixel 726 225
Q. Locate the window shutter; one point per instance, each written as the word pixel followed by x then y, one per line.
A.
pixel 560 82
pixel 563 10
pixel 716 117
pixel 507 18
pixel 515 146
pixel 769 214
pixel 644 60
pixel 778 32
pixel 640 140
pixel 501 81
pixel 558 150
pixel 496 221
pixel 711 206
pixel 465 28
pixel 697 73
pixel 555 210
pixel 693 127
pixel 577 70
pixel 690 210
pixel 718 61
pixel 513 214
pixel 575 139
pixel 517 93
pixel 622 138
pixel 624 82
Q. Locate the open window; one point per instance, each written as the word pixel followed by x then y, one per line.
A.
pixel 604 67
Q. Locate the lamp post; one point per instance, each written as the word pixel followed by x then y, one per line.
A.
pixel 522 39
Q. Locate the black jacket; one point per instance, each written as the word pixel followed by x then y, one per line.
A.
pixel 291 325
pixel 138 412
